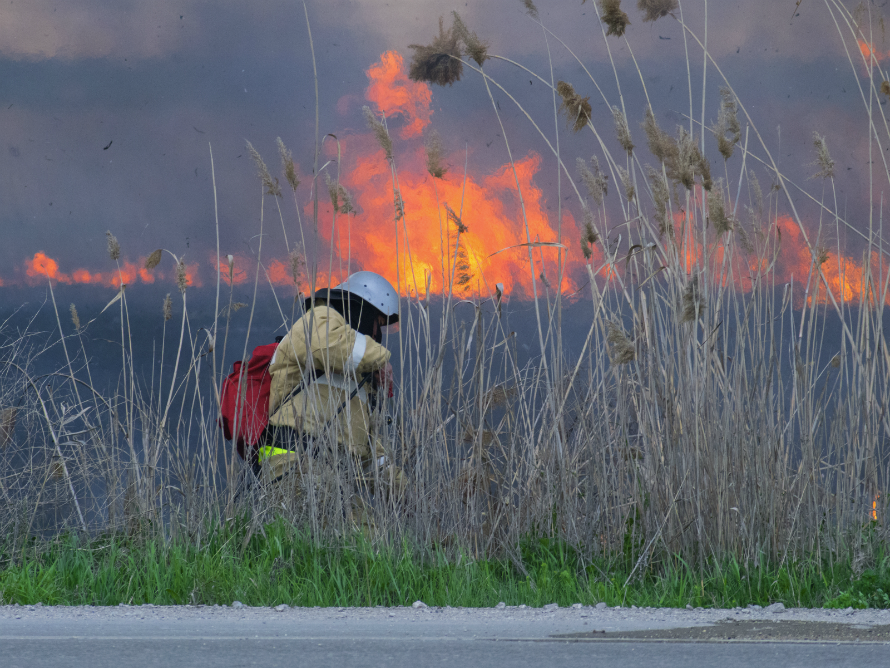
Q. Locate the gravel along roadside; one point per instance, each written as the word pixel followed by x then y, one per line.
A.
pixel 749 631
pixel 551 622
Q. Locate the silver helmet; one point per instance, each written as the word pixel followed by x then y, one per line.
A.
pixel 369 287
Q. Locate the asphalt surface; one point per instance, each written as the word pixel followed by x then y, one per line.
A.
pixel 87 637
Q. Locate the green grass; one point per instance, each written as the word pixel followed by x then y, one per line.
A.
pixel 285 566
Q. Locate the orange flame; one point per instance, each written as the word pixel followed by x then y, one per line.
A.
pixel 874 507
pixel 392 92
pixel 850 281
pixel 868 52
pixel 425 243
pixel 42 267
pixel 423 249
pixel 279 273
pixel 239 274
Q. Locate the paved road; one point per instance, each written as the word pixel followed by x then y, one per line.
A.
pixel 220 636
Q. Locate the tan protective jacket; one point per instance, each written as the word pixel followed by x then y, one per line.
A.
pixel 344 356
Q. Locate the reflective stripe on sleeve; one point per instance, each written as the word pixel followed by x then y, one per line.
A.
pixel 358 351
pixel 343 383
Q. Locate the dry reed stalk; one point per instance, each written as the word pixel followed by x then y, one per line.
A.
pixel 7 426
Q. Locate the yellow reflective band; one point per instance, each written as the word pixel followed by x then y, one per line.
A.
pixel 268 451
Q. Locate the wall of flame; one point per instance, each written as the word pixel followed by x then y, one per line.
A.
pixel 419 251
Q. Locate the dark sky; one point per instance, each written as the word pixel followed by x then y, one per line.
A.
pixel 109 108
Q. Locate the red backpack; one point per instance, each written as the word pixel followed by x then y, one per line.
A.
pixel 244 399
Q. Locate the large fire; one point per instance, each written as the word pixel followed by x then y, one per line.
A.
pixel 469 232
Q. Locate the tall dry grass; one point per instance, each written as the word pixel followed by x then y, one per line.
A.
pixel 695 419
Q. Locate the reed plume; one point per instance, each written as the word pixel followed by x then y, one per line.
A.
pixel 287 164
pixel 438 62
pixel 613 17
pixel 681 157
pixel 720 218
pixel 398 205
pixel 661 144
pixel 532 10
pixel 476 48
pixel 627 181
pixel 75 318
pixel 114 248
pixel 577 109
pixel 661 199
pixel 463 271
pixel 182 280
pixel 621 349
pixel 154 259
pixel 589 236
pixel 297 265
pixel 727 129
pixel 234 308
pixel 595 180
pixel 691 306
pixel 823 159
pixel 622 130
pixel 341 200
pixel 167 309
pixel 270 184
pixel 655 9
pixel 434 154
pixel 380 131
pixel 455 219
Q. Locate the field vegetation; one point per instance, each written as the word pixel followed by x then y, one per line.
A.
pixel 703 444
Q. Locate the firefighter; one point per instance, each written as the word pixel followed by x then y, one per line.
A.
pixel 327 374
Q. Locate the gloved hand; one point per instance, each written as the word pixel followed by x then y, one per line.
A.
pixel 384 380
